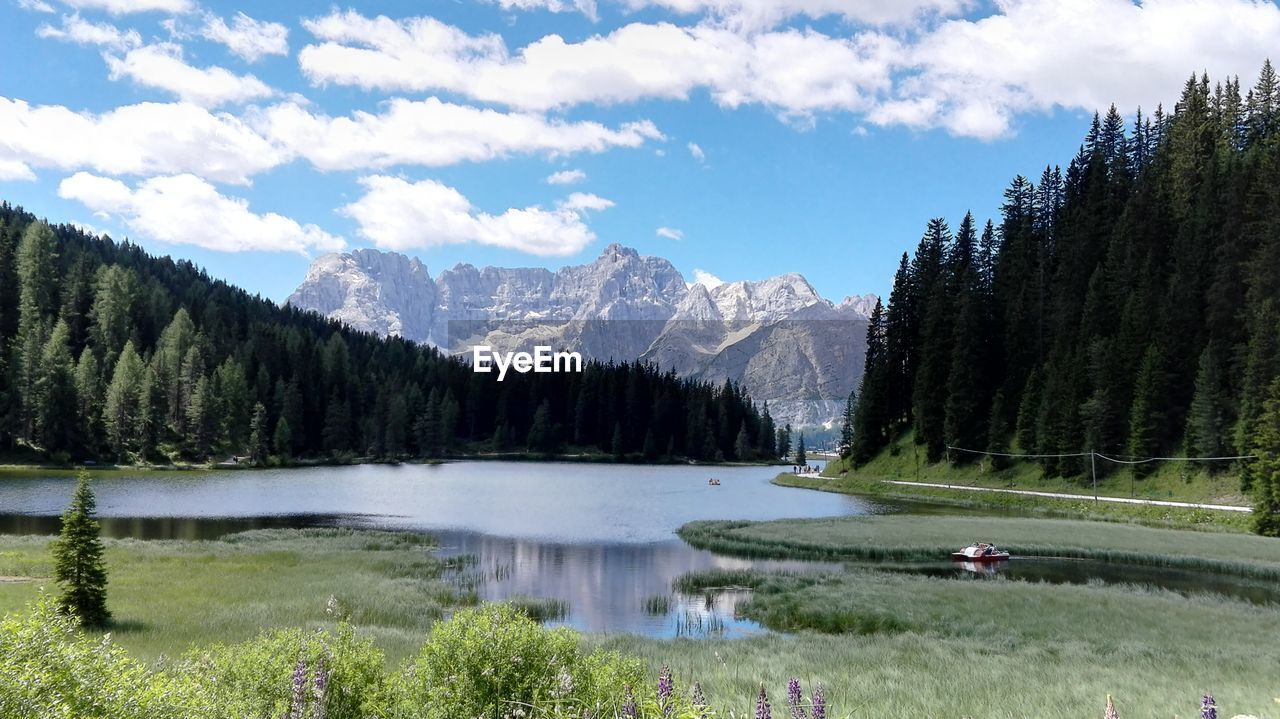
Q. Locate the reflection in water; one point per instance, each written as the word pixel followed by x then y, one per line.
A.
pixel 168 527
pixel 607 585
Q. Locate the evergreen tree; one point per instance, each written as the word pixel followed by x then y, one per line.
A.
pixel 801 457
pixel 1265 468
pixel 258 440
pixel 1209 421
pixel 282 439
pixel 121 413
pixel 742 445
pixel 77 559
pixel 1147 416
pixel 541 436
pixel 55 403
pixel 848 423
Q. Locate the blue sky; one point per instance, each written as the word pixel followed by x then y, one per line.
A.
pixel 742 138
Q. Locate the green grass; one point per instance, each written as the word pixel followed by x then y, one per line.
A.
pixel 918 647
pixel 168 595
pixel 913 537
pixel 1084 508
pixel 1172 481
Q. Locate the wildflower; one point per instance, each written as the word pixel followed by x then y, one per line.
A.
pixel 666 686
pixel 819 704
pixel 762 705
pixel 320 685
pixel 629 705
pixel 1208 707
pixel 794 699
pixel 1110 713
pixel 298 700
pixel 699 700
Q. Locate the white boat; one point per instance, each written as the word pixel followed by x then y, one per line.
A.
pixel 980 552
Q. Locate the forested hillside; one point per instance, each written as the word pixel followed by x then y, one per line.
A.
pixel 107 352
pixel 1126 305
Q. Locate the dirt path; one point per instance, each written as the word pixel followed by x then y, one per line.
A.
pixel 1059 495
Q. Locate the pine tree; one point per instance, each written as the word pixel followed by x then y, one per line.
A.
pixel 258 441
pixel 617 447
pixel 1147 416
pixel 55 395
pixel 742 445
pixel 801 457
pixel 77 559
pixel 848 424
pixel 282 439
pixel 1265 468
pixel 121 412
pixel 541 437
pixel 1209 420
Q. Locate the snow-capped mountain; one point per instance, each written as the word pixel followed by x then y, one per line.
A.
pixel 778 337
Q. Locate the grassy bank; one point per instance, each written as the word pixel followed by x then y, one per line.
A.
pixel 1083 508
pixel 1171 481
pixel 891 645
pixel 909 537
pixel 167 595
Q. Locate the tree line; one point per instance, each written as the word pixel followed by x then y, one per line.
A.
pixel 1127 305
pixel 108 353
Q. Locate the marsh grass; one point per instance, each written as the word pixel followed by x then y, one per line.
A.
pixel 657 605
pixel 918 538
pixel 882 644
pixel 168 595
pixel 541 609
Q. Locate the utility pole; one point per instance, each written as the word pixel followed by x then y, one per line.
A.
pixel 1093 464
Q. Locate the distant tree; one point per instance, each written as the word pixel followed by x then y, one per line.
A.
pixel 282 439
pixel 742 445
pixel 1147 417
pixel 258 440
pixel 1209 421
pixel 121 413
pixel 77 559
pixel 1265 469
pixel 617 448
pixel 784 441
pixel 541 435
pixel 801 457
pixel 848 424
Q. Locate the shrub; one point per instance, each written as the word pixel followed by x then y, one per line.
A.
pixel 489 661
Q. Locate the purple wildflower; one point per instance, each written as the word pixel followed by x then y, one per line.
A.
pixel 666 686
pixel 699 700
pixel 819 704
pixel 629 705
pixel 794 699
pixel 762 705
pixel 321 684
pixel 1208 707
pixel 298 701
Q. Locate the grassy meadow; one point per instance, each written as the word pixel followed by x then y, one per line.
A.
pixel 167 595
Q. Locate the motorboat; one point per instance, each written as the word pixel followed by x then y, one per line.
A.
pixel 980 552
pixel 713 482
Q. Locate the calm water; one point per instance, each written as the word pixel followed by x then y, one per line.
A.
pixel 600 537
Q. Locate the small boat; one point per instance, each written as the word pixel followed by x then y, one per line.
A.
pixel 980 552
pixel 713 482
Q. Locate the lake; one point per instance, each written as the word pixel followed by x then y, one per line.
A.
pixel 601 537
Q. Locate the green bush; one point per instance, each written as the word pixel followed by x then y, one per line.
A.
pixel 50 670
pixel 490 661
pixel 292 670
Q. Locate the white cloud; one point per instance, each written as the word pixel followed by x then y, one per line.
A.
pixel 706 279
pixel 36 6
pixel 566 177
pixel 248 38
pixel 586 7
pixel 161 66
pixel 396 214
pixel 767 13
pixel 432 132
pixel 83 32
pixel 125 7
pixel 583 201
pixel 696 151
pixel 186 210
pixel 143 139
pixel 971 76
pixel 13 169
pixel 670 233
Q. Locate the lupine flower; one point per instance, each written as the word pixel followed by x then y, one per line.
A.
pixel 819 704
pixel 321 684
pixel 699 699
pixel 1208 707
pixel 1111 712
pixel 762 705
pixel 666 686
pixel 298 701
pixel 629 705
pixel 794 699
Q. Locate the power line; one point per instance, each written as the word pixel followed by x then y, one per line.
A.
pixel 1099 455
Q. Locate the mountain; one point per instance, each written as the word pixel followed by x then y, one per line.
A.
pixel 777 337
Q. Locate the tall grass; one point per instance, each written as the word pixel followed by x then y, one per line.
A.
pixel 168 595
pixel 911 538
